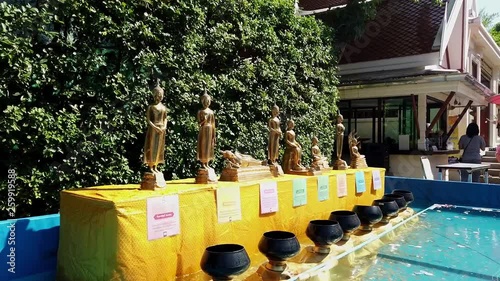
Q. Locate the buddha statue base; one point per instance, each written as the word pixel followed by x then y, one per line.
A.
pixel 206 175
pixel 322 169
pixel 314 172
pixel 320 166
pixel 276 170
pixel 359 163
pixel 306 172
pixel 242 174
pixel 340 165
pixel 153 181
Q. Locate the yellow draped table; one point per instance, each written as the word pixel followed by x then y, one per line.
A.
pixel 103 234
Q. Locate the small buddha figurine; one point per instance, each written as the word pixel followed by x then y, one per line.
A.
pixel 318 160
pixel 273 147
pixel 339 143
pixel 206 136
pixel 206 141
pixel 358 160
pixel 154 146
pixel 293 151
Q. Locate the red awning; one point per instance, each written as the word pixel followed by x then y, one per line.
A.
pixel 495 99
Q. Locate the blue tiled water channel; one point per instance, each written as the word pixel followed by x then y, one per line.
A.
pixel 447 243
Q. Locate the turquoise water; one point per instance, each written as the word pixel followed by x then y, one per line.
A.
pixel 448 243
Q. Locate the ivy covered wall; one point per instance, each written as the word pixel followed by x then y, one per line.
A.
pixel 75 80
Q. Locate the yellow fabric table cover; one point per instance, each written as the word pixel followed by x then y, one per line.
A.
pixel 103 234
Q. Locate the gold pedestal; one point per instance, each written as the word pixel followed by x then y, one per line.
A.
pixel 122 216
pixel 340 165
pixel 276 170
pixel 153 181
pixel 205 176
pixel 359 163
pixel 321 170
pixel 304 172
pixel 312 172
pixel 250 173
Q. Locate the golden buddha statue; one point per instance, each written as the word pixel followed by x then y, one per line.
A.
pixel 238 160
pixel 206 136
pixel 319 162
pixel 293 151
pixel 273 148
pixel 358 160
pixel 243 167
pixel 339 143
pixel 154 146
pixel 206 141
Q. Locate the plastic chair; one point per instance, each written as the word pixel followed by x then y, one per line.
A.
pixel 426 167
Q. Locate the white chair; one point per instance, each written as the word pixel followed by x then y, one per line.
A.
pixel 426 167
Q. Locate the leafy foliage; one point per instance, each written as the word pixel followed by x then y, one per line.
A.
pixel 495 33
pixel 349 22
pixel 75 80
pixel 488 19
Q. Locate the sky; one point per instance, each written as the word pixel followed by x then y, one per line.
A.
pixel 492 6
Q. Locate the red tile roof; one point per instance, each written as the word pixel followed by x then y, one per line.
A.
pixel 309 5
pixel 401 28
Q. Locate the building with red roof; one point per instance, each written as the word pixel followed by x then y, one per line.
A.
pixel 419 68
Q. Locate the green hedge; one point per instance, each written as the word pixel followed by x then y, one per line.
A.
pixel 75 80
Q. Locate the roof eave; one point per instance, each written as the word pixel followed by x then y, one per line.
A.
pixel 302 12
pixel 487 40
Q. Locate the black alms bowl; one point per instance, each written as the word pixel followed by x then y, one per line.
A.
pixel 225 261
pixel 348 221
pixel 279 245
pixel 368 215
pixel 408 195
pixel 324 232
pixel 400 200
pixel 389 207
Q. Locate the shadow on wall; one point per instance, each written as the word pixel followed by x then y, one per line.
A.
pixel 29 248
pixel 428 192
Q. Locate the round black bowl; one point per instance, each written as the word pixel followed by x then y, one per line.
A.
pixel 389 208
pixel 324 233
pixel 408 195
pixel 400 200
pixel 279 245
pixel 225 261
pixel 368 215
pixel 348 220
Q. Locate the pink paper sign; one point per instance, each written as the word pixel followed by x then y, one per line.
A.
pixel 377 181
pixel 268 197
pixel 163 216
pixel 341 185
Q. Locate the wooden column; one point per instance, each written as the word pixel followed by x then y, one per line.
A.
pixel 440 113
pixel 454 126
pixel 415 114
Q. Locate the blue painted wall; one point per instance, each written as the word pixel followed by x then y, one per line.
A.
pixel 36 239
pixel 428 192
pixel 31 245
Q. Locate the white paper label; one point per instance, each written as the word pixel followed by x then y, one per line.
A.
pixel 268 197
pixel 163 216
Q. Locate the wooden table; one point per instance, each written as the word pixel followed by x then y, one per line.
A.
pixel 469 167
